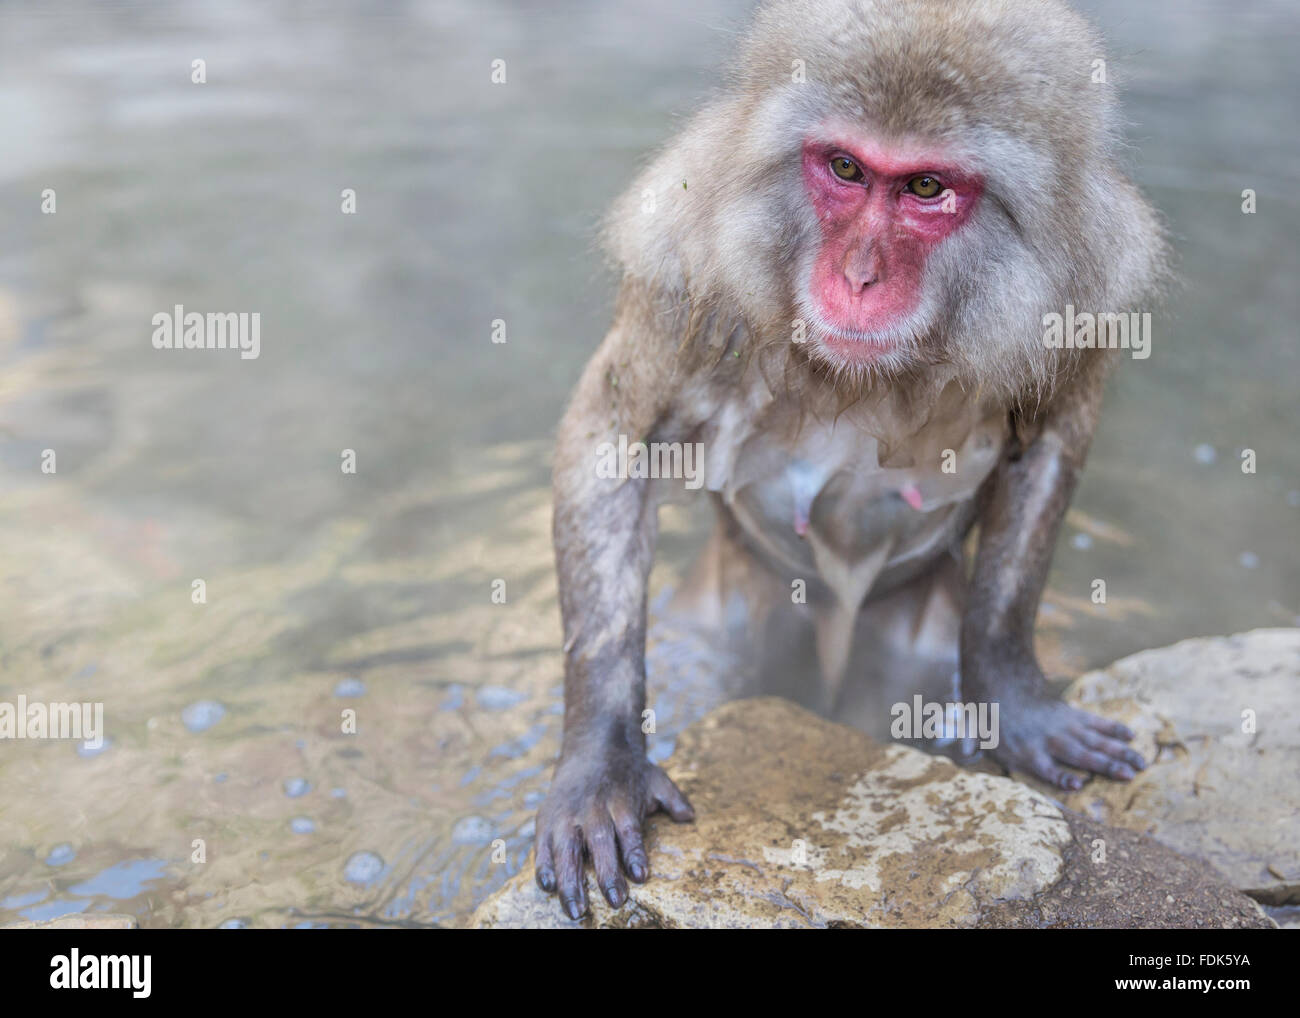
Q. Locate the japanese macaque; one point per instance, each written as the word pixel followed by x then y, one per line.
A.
pixel 835 280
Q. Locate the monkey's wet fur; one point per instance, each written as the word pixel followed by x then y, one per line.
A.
pixel 834 279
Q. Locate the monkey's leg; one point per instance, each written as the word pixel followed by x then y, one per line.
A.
pixel 906 643
pixel 760 629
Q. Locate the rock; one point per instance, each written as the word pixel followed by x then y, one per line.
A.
pixel 1214 792
pixel 804 823
pixel 79 921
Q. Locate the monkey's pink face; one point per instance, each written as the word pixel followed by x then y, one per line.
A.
pixel 882 211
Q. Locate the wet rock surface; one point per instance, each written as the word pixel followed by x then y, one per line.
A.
pixel 84 921
pixel 804 823
pixel 1219 720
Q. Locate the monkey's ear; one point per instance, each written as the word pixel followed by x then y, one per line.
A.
pixel 648 225
pixel 663 229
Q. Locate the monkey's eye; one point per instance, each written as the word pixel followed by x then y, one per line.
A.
pixel 845 168
pixel 924 187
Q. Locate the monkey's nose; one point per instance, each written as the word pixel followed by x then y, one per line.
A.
pixel 861 268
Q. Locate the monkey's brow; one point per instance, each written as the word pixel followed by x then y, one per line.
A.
pixel 887 160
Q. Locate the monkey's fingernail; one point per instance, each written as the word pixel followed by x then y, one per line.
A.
pixel 573 910
pixel 1122 772
pixel 614 895
pixel 636 870
pixel 546 881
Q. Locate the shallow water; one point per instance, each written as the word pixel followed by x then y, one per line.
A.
pixel 227 791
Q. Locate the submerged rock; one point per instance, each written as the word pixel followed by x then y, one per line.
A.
pixel 79 921
pixel 1218 719
pixel 804 823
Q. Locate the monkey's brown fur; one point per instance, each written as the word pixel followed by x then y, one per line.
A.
pixel 714 240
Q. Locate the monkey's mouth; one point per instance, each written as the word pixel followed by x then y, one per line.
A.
pixel 882 337
pixel 857 346
pixel 847 344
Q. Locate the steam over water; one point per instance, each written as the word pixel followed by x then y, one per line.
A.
pixel 227 790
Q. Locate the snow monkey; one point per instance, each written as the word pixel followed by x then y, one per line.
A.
pixel 835 283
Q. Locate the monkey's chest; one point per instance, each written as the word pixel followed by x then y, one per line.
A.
pixel 825 506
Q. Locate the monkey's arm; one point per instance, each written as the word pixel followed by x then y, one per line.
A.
pixel 1028 496
pixel 604 533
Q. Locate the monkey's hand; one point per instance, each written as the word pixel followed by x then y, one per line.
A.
pixel 1041 735
pixel 597 805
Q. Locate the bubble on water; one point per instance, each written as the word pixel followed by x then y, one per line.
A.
pixel 1248 560
pixel 350 687
pixel 471 831
pixel 471 774
pixel 123 880
pixel 338 793
pixel 498 697
pixel 1205 454
pixel 60 854
pixel 1081 541
pixel 55 909
pixel 234 924
pixel 302 825
pixel 22 900
pixel 516 748
pixel 363 867
pixel 86 750
pixel 202 715
pixel 296 787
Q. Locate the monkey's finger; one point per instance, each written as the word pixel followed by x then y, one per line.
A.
pixel 568 876
pixel 627 826
pixel 604 859
pixel 1115 729
pixel 1113 748
pixel 666 797
pixel 1046 768
pixel 544 866
pixel 1069 750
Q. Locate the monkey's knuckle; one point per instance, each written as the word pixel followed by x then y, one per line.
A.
pixel 600 837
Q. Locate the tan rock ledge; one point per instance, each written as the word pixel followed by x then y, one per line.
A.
pixel 804 823
pixel 1220 718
